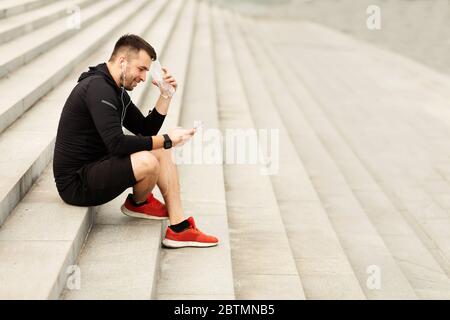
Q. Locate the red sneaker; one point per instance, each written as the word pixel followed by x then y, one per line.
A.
pixel 152 209
pixel 191 237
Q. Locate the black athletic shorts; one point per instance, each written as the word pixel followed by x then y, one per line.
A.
pixel 100 182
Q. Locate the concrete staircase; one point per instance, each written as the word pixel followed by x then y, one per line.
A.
pixel 357 207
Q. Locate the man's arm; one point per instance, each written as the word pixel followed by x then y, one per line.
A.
pixel 149 125
pixel 107 121
pixel 162 105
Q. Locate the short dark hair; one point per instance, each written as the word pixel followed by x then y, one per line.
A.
pixel 134 43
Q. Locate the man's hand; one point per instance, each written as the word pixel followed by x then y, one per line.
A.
pixel 180 136
pixel 163 102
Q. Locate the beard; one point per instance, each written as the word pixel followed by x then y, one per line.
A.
pixel 128 87
pixel 129 83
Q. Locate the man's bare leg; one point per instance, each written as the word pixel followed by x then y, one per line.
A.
pixel 146 171
pixel 169 185
pixel 157 167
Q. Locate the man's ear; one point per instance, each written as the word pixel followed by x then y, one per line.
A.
pixel 123 64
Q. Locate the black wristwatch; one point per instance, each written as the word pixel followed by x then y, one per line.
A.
pixel 167 141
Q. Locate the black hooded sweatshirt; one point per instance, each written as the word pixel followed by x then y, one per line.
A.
pixel 90 126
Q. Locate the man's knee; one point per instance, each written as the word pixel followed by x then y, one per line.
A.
pixel 163 155
pixel 144 163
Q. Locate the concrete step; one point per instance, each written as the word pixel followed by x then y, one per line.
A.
pixel 417 130
pixel 422 270
pixel 263 263
pixel 24 49
pixel 192 273
pixel 421 106
pixel 324 269
pixel 110 268
pixel 40 242
pixel 27 145
pixel 10 8
pixel 16 26
pixel 46 71
pixel 420 76
pixel 416 189
pixel 388 158
pixel 362 243
pixel 27 222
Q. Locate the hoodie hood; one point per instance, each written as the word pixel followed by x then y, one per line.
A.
pixel 102 70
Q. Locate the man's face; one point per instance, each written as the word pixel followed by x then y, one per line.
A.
pixel 136 69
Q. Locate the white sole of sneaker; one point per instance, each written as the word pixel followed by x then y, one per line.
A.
pixel 133 214
pixel 181 244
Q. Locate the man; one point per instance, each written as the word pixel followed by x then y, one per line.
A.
pixel 94 161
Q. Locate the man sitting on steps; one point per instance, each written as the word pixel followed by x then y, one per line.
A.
pixel 94 161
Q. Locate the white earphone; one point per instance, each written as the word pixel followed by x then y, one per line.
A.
pixel 123 66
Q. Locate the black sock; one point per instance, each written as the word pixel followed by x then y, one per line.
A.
pixel 180 227
pixel 130 196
